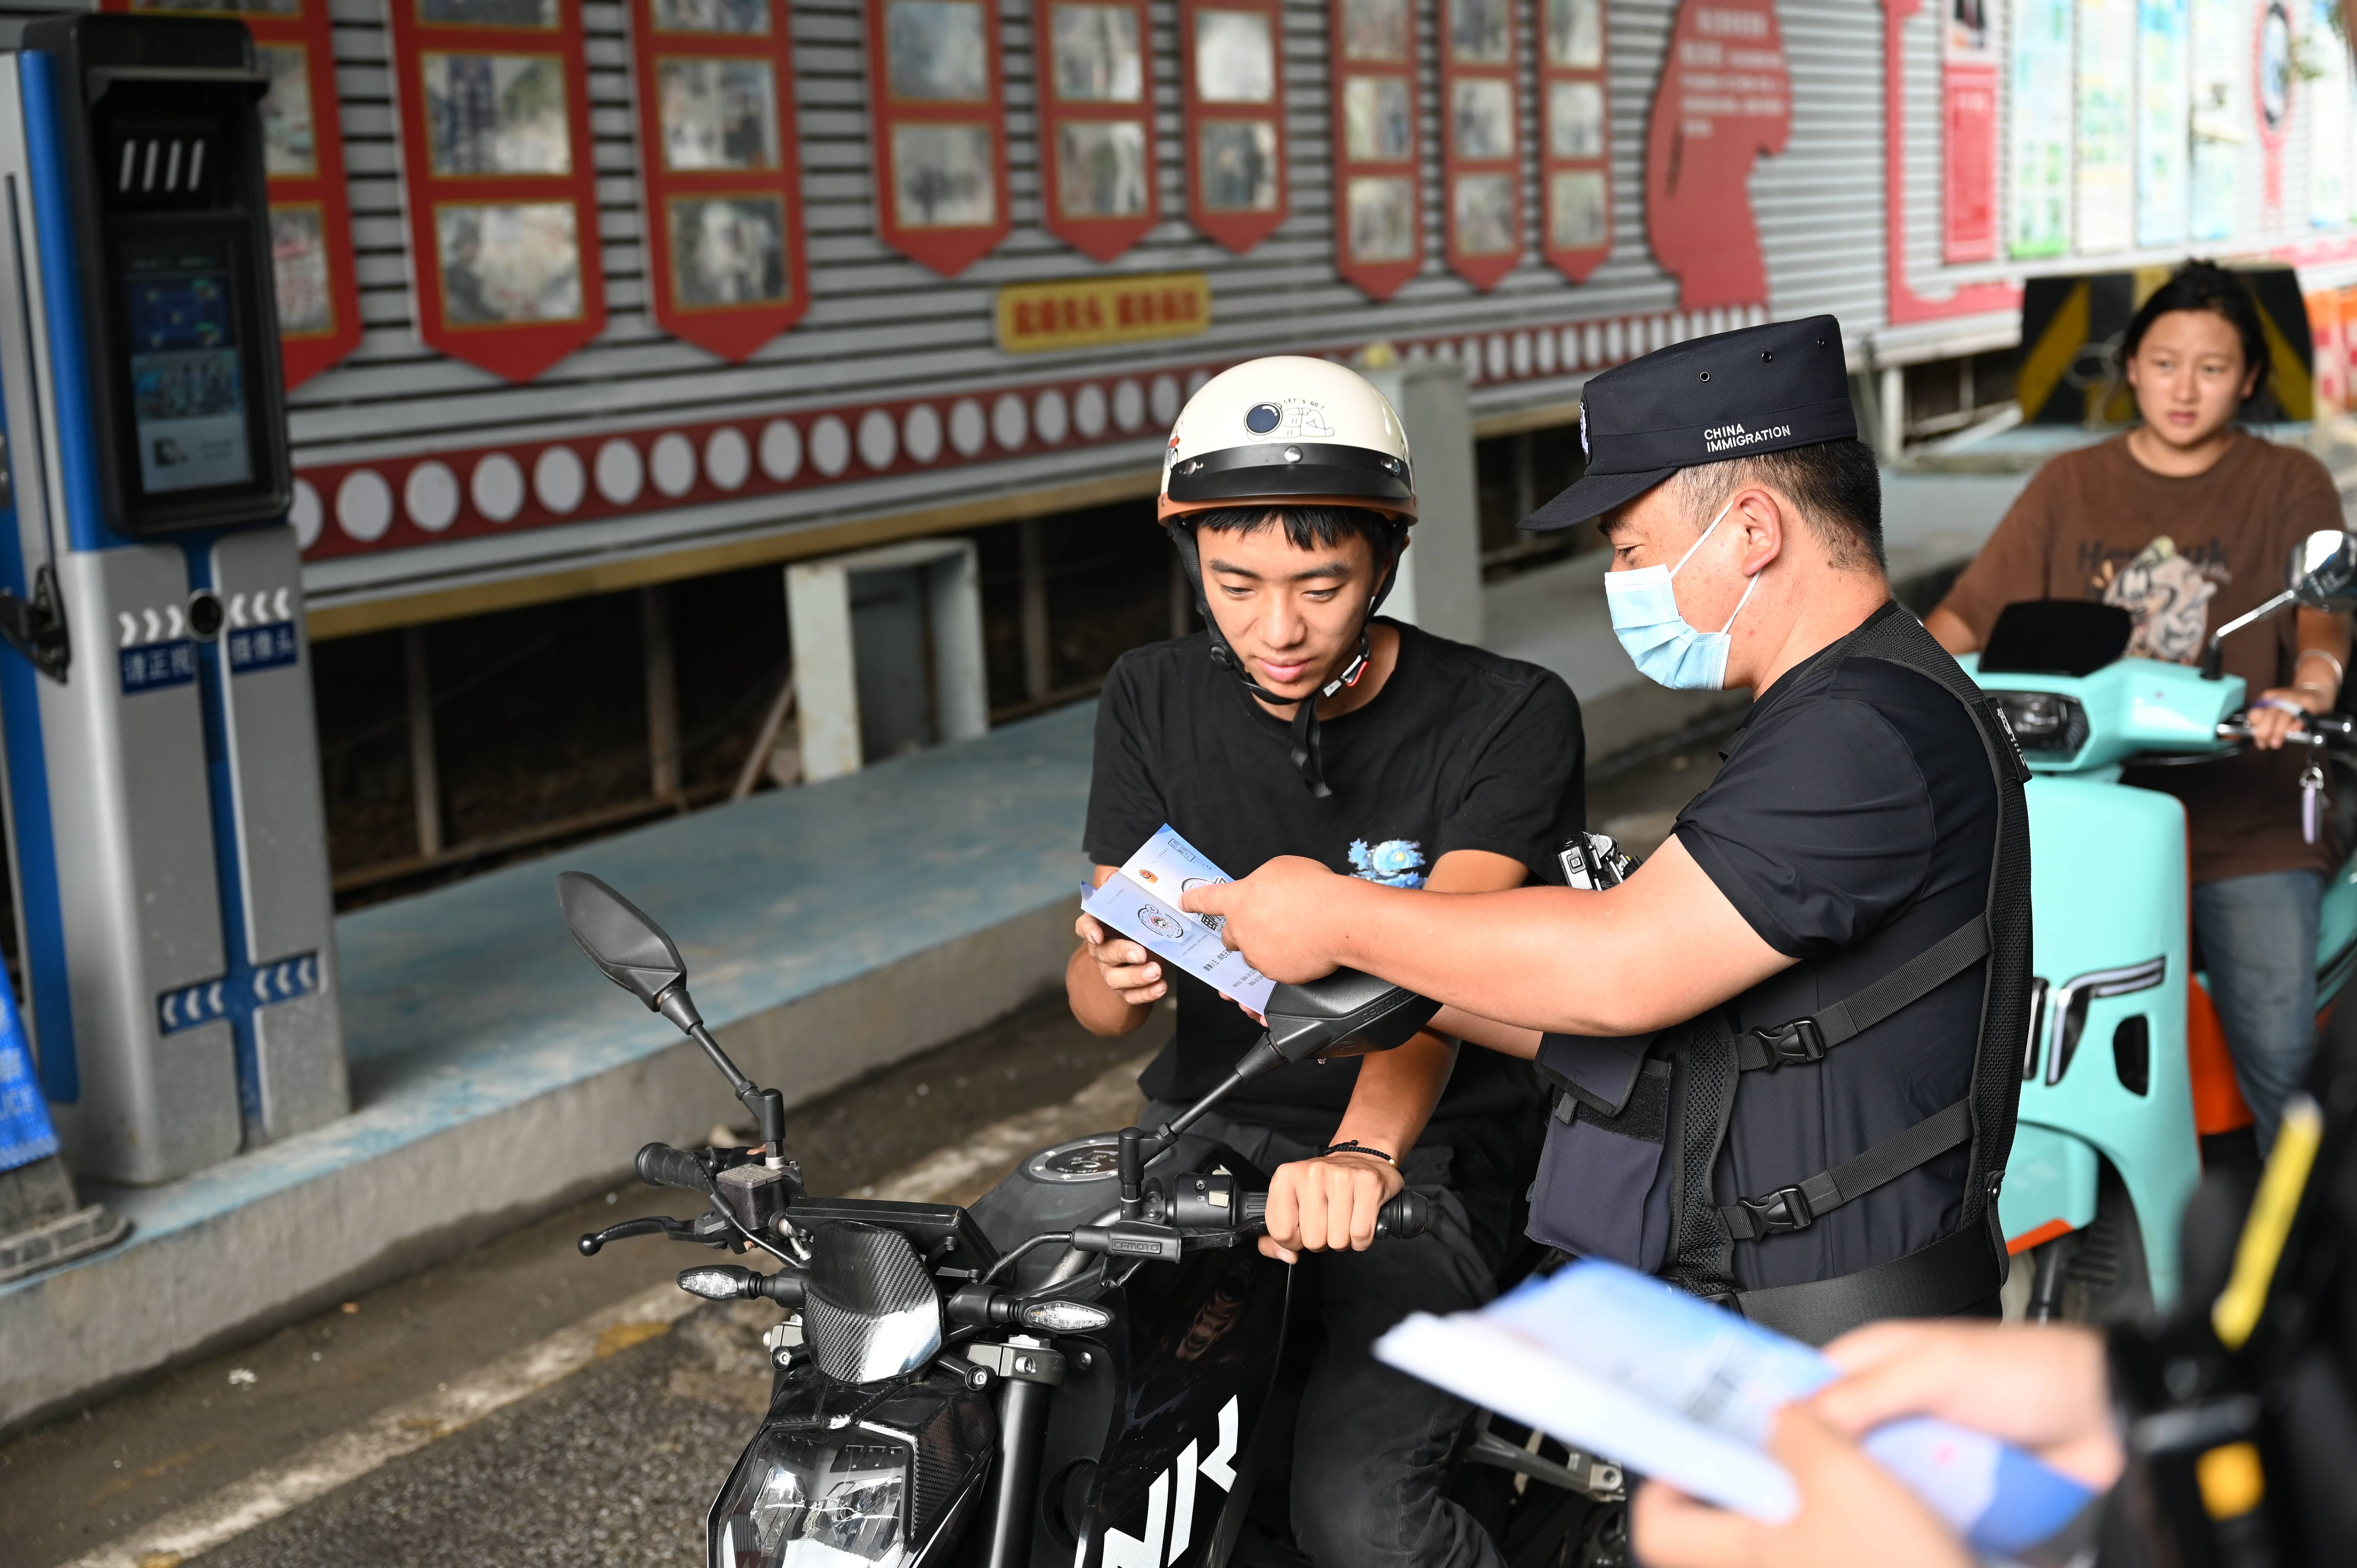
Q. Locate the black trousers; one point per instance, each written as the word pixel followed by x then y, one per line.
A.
pixel 1368 1450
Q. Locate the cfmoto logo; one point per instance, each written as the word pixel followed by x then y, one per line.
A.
pixel 1262 417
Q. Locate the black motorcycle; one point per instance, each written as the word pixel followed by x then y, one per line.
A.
pixel 1092 1366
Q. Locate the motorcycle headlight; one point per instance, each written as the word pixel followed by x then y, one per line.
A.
pixel 815 1499
pixel 2044 722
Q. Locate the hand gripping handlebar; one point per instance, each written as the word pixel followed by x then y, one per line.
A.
pixel 1401 1218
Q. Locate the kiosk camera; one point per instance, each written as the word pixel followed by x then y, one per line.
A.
pixel 164 827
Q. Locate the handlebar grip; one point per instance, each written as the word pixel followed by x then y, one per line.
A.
pixel 660 1164
pixel 1405 1218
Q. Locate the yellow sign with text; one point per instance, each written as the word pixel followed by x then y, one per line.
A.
pixel 1082 313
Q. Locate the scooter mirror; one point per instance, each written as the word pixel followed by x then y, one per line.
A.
pixel 2322 572
pixel 619 938
pixel 1346 1014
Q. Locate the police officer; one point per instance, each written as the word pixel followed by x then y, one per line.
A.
pixel 1784 1051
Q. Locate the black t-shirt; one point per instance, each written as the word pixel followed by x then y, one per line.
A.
pixel 1461 749
pixel 1852 826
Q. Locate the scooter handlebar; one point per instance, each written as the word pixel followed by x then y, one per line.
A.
pixel 1401 1218
pixel 660 1164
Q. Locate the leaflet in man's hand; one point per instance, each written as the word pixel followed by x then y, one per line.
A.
pixel 1140 902
pixel 1619 1365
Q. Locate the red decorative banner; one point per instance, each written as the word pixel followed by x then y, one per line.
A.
pixel 937 105
pixel 497 174
pixel 1905 307
pixel 1575 138
pixel 1968 136
pixel 1231 77
pixel 1096 123
pixel 1378 195
pixel 303 157
pixel 1479 112
pixel 724 219
pixel 1725 99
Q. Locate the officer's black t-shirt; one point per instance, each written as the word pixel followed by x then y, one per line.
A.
pixel 1461 749
pixel 1852 827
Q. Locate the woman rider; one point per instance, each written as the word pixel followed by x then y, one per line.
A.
pixel 2186 522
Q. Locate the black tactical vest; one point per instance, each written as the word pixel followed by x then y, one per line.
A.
pixel 1640 1123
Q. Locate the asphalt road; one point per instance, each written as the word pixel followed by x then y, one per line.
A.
pixel 616 1463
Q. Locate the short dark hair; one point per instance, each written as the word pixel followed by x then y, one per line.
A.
pixel 2205 285
pixel 1306 527
pixel 1837 485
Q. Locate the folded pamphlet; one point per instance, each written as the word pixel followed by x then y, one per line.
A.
pixel 1140 902
pixel 1621 1365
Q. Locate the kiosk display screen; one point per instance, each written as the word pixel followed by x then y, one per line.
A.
pixel 188 380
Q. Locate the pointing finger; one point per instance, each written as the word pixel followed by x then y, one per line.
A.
pixel 1213 899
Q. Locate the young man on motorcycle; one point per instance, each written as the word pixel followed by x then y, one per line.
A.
pixel 1296 723
pixel 1788 1048
pixel 2186 522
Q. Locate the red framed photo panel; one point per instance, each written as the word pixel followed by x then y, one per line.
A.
pixel 497 174
pixel 303 155
pixel 723 170
pixel 1481 119
pixel 1096 122
pixel 1231 79
pixel 1378 190
pixel 937 103
pixel 1574 138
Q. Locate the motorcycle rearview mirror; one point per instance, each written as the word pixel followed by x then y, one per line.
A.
pixel 1345 1014
pixel 2321 575
pixel 637 955
pixel 2322 572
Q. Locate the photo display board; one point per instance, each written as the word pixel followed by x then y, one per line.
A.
pixel 497 176
pixel 1575 138
pixel 937 103
pixel 1481 116
pixel 723 170
pixel 1231 74
pixel 1378 194
pixel 1096 123
pixel 318 287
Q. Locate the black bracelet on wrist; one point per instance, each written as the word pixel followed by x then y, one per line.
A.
pixel 1355 1147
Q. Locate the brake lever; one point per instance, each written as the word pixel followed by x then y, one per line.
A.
pixel 592 1243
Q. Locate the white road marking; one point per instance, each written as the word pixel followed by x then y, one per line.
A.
pixel 957 1174
pixel 405 1428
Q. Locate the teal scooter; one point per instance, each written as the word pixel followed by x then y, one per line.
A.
pixel 2108 1148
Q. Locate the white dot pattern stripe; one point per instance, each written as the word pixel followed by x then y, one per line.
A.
pixel 920 432
pixel 558 479
pixel 497 486
pixel 430 496
pixel 671 464
pixel 728 457
pixel 621 473
pixel 782 450
pixel 830 445
pixel 364 505
pixel 879 439
pixel 968 428
pixel 307 514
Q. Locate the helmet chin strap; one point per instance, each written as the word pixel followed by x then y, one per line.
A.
pixel 1308 758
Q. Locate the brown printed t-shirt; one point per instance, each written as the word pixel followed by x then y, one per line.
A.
pixel 2184 556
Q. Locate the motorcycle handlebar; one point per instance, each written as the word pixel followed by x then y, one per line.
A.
pixel 1401 1218
pixel 660 1164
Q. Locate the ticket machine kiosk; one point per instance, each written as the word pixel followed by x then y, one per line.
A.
pixel 166 833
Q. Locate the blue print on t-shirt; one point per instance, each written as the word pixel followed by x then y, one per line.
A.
pixel 1395 862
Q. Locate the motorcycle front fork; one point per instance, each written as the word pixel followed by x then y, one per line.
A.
pixel 1022 1424
pixel 2052 1261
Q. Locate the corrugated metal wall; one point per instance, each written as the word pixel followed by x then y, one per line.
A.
pixel 884 333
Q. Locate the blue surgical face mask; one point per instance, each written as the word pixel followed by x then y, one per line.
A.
pixel 1665 647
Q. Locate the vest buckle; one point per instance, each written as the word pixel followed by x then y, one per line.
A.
pixel 1778 1213
pixel 1795 1043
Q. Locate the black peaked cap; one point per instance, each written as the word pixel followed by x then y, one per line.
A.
pixel 1758 388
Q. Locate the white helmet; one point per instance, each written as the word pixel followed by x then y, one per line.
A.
pixel 1290 431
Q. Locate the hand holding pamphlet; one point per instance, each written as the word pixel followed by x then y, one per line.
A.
pixel 1616 1363
pixel 1140 902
